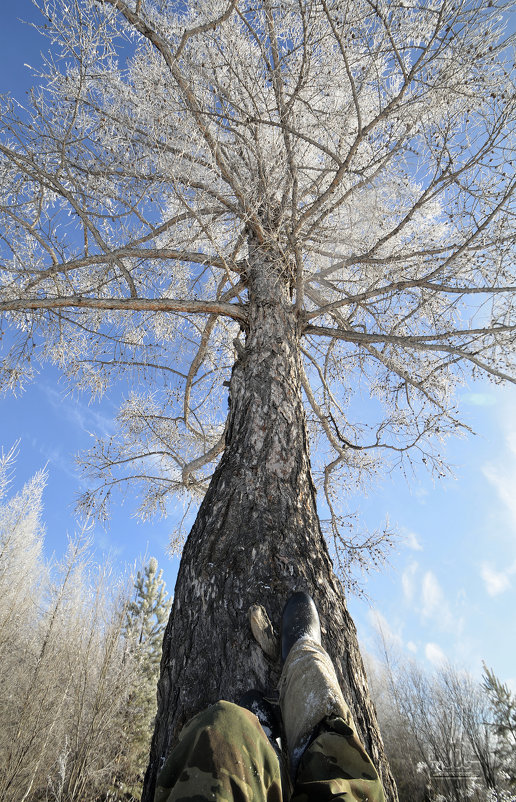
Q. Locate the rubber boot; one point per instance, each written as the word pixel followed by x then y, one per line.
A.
pixel 300 619
pixel 309 688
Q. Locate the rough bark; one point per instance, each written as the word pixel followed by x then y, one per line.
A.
pixel 256 538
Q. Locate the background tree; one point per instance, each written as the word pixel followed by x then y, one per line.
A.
pixel 21 564
pixel 439 731
pixel 503 705
pixel 402 749
pixel 147 616
pixel 306 201
pixel 75 692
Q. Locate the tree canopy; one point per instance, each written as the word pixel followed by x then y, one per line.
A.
pixel 367 146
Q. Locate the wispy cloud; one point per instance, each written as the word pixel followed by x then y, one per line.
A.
pixel 436 607
pixel 382 626
pixel 479 399
pixel 502 473
pixel 503 479
pixel 55 458
pixel 421 493
pixel 434 654
pixel 107 545
pixel 432 596
pixel 412 541
pixel 496 582
pixel 408 581
pixel 81 415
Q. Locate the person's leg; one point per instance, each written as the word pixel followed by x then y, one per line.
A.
pixel 336 766
pixel 222 755
pixel 327 759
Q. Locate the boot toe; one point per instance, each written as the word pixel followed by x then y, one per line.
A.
pixel 300 619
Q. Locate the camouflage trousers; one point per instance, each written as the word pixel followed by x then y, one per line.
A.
pixel 223 754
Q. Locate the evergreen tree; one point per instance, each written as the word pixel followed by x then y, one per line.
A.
pixel 503 706
pixel 147 615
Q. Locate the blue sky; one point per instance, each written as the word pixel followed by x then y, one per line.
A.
pixel 450 589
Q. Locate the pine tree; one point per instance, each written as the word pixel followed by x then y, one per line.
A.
pixel 147 615
pixel 503 706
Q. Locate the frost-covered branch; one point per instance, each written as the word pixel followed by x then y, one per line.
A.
pixel 366 151
pixel 233 311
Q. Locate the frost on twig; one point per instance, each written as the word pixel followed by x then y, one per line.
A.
pixel 366 151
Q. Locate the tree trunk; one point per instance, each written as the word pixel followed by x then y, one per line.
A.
pixel 256 539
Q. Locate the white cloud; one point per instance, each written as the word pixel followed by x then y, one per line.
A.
pixel 382 626
pixel 392 639
pixel 502 472
pixel 433 596
pixel 79 414
pixel 421 493
pixel 407 581
pixel 105 543
pixel 503 479
pixel 56 458
pixel 479 399
pixel 496 582
pixel 412 541
pixel 434 654
pixel 436 607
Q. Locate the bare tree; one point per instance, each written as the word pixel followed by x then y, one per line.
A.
pixel 66 671
pixel 304 202
pixel 64 688
pixel 402 748
pixel 22 568
pixel 438 728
